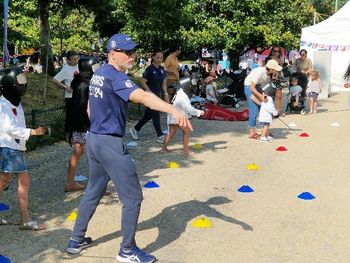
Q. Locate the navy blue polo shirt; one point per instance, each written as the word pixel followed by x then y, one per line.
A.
pixel 109 93
pixel 155 77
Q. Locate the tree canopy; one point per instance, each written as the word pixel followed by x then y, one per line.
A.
pixel 232 25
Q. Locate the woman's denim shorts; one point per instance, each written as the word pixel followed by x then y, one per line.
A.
pixel 12 161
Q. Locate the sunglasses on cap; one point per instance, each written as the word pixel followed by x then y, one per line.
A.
pixel 126 52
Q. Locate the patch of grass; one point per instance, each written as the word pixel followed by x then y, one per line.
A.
pixel 34 98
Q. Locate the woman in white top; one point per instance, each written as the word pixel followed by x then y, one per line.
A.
pixel 256 77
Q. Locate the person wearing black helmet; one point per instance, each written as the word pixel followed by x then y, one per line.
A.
pixel 13 137
pixel 80 120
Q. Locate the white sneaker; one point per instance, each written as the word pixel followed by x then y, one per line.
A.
pixel 134 133
pixel 161 139
pixel 263 139
pixel 270 138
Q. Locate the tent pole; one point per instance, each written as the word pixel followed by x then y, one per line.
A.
pixel 314 17
pixel 336 5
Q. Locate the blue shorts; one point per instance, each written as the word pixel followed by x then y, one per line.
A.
pixel 313 95
pixel 264 123
pixel 78 137
pixel 12 161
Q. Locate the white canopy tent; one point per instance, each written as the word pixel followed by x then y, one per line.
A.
pixel 332 34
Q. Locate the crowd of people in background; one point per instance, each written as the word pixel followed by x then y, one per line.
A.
pixel 92 90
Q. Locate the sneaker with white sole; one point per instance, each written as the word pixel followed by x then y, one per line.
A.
pixel 134 133
pixel 270 138
pixel 161 138
pixel 134 255
pixel 263 139
pixel 74 247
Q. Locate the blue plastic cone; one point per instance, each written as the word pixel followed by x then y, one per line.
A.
pixel 306 196
pixel 80 178
pixel 151 184
pixel 4 259
pixel 4 207
pixel 245 189
pixel 132 144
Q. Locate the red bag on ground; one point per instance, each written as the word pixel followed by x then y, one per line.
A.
pixel 218 113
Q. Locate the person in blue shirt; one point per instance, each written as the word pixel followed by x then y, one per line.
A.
pixel 109 92
pixel 153 80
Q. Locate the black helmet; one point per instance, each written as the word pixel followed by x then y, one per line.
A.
pixel 13 84
pixel 268 87
pixel 86 64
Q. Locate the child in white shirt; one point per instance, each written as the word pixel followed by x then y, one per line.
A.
pixel 267 109
pixel 13 137
pixel 183 104
pixel 315 88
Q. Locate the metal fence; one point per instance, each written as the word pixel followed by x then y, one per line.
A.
pixel 50 117
pixel 54 118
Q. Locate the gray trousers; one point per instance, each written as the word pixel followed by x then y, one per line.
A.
pixel 109 159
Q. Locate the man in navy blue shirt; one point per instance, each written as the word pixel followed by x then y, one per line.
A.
pixel 109 92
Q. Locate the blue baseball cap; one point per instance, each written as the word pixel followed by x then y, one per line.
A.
pixel 122 42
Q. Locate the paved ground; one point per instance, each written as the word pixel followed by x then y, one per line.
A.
pixel 269 225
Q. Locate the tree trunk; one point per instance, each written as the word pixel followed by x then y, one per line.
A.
pixel 234 58
pixel 46 58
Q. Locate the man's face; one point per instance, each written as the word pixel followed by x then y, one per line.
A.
pixel 122 59
pixel 73 60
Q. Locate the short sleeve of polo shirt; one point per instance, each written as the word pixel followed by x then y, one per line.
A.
pixel 123 87
pixel 146 73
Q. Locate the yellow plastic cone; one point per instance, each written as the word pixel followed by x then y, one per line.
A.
pixel 197 146
pixel 173 165
pixel 72 216
pixel 253 167
pixel 202 222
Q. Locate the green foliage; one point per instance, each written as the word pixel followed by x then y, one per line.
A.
pixel 226 24
pixel 75 30
pixel 154 23
pixel 325 8
pixel 74 27
pixel 23 26
pixel 233 24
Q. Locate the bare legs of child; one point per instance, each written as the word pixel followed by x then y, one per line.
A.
pixel 265 131
pixel 313 106
pixel 23 189
pixel 185 140
pixel 265 134
pixel 71 185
